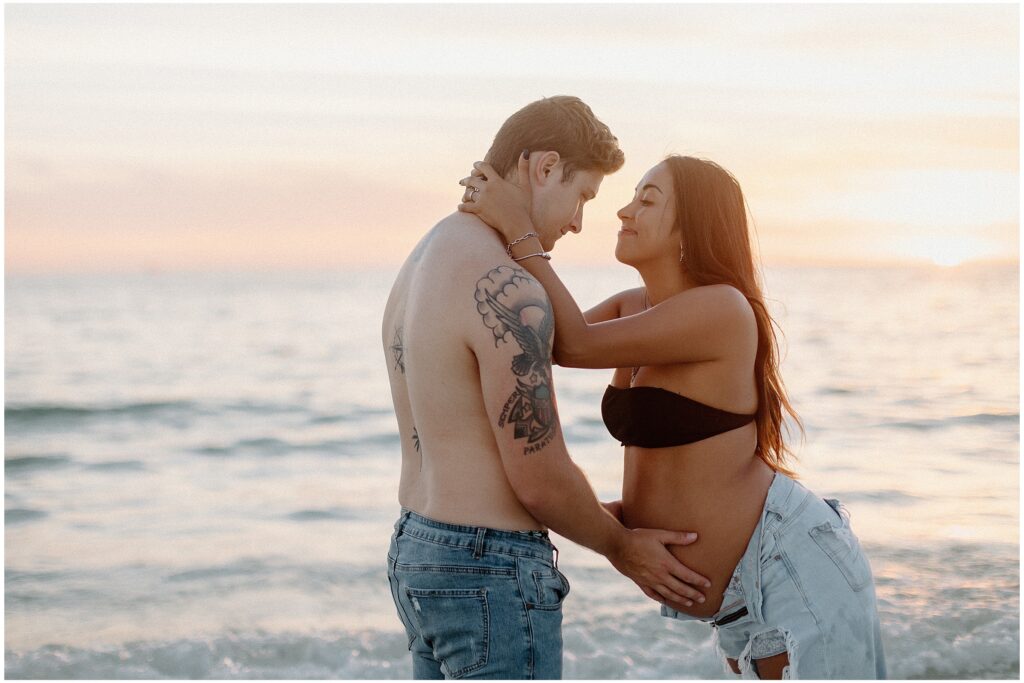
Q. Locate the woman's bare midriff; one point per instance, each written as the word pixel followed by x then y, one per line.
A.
pixel 716 488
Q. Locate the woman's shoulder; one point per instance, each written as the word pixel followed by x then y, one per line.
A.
pixel 725 294
pixel 720 303
pixel 630 299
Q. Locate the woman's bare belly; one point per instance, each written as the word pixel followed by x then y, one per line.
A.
pixel 707 488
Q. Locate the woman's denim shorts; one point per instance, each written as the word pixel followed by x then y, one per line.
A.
pixel 803 586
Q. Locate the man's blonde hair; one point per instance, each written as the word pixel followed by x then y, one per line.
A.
pixel 562 124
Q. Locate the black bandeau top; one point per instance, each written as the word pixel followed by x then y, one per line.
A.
pixel 652 417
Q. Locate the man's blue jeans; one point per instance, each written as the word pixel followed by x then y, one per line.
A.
pixel 477 602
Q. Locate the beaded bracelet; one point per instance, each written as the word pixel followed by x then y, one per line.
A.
pixel 508 247
pixel 542 254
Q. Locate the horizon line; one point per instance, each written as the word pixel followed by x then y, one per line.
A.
pixel 796 264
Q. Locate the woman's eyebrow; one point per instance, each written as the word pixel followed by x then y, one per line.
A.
pixel 650 185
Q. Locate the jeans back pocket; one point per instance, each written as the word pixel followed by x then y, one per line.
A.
pixel 455 624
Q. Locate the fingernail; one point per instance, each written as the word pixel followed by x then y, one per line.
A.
pixel 526 154
pixel 691 536
pixel 707 584
pixel 689 603
pixel 700 599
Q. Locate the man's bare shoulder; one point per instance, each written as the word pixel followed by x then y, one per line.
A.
pixel 479 255
pixel 466 267
pixel 455 254
pixel 460 239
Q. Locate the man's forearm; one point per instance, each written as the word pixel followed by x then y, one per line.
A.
pixel 567 505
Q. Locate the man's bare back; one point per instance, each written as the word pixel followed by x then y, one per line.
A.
pixel 451 465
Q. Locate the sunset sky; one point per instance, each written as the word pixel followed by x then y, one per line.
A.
pixel 294 136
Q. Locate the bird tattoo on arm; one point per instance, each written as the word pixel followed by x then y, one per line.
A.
pixel 514 307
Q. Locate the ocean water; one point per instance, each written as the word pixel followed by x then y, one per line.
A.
pixel 201 473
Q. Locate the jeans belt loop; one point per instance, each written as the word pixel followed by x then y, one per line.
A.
pixel 478 546
pixel 554 551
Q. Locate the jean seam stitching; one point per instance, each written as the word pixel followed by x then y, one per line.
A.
pixel 397 595
pixel 455 569
pixel 795 578
pixel 529 623
pixel 793 516
pixel 487 551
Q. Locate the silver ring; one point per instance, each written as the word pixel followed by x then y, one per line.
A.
pixel 472 195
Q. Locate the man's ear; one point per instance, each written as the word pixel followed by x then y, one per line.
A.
pixel 544 167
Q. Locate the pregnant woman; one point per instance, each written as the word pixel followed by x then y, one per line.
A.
pixel 698 403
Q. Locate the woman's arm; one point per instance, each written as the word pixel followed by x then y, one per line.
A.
pixel 700 324
pixel 611 308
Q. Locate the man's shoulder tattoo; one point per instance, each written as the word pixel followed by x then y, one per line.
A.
pixel 515 309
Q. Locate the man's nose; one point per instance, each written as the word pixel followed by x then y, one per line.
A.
pixel 576 224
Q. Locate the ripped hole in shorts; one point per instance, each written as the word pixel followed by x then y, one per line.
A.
pixel 768 643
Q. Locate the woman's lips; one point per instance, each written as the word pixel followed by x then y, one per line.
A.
pixel 626 231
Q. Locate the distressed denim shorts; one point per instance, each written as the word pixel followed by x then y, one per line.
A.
pixel 477 602
pixel 803 586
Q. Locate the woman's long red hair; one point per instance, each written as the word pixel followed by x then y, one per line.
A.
pixel 712 217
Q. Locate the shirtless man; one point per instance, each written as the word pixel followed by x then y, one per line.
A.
pixel 485 472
